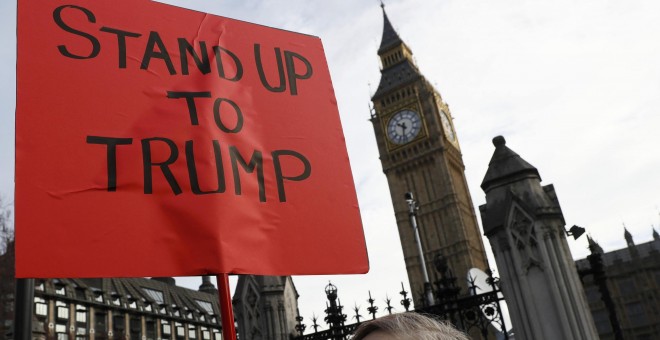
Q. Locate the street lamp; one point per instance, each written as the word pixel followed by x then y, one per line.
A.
pixel 575 231
pixel 334 318
pixel 412 213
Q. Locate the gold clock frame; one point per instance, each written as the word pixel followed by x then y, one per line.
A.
pixel 387 116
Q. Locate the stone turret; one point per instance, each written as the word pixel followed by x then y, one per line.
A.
pixel 525 226
pixel 266 307
pixel 207 286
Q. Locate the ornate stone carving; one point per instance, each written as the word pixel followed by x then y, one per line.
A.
pixel 524 239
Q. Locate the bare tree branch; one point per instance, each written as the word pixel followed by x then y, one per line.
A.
pixel 6 226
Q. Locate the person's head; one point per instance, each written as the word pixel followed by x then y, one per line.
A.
pixel 407 326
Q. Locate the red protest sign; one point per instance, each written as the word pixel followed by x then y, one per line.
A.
pixel 157 141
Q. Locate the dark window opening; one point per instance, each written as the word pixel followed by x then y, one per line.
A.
pixel 100 325
pixel 136 327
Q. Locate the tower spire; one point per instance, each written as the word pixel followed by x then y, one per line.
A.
pixel 594 247
pixel 398 65
pixel 390 37
pixel 628 237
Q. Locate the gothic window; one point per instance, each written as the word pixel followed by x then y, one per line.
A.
pixel 81 314
pixel 646 337
pixel 602 321
pixel 151 329
pixel 165 329
pixel 40 307
pixel 627 286
pixel 523 235
pixel 192 332
pixel 206 335
pixel 180 331
pixel 136 327
pixel 459 184
pixel 60 331
pixel 593 294
pixel 118 325
pixel 100 322
pixel 81 322
pixel 62 310
pixel 636 314
pixel 81 333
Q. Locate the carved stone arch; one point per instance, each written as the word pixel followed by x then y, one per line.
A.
pixel 251 311
pixel 523 235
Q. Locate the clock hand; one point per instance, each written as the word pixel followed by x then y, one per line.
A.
pixel 402 126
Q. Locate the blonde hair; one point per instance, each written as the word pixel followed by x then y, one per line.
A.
pixel 410 326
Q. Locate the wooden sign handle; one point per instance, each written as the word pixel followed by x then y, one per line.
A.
pixel 226 310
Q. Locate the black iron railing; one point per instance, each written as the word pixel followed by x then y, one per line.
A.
pixel 475 314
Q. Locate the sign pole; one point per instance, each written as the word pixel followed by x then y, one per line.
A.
pixel 24 308
pixel 226 310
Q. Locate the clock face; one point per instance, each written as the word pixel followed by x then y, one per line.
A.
pixel 446 124
pixel 404 126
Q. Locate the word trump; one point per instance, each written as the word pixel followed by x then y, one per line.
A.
pixel 238 162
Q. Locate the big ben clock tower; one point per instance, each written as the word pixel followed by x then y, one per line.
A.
pixel 420 153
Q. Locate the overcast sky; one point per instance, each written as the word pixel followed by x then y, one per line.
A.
pixel 574 86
